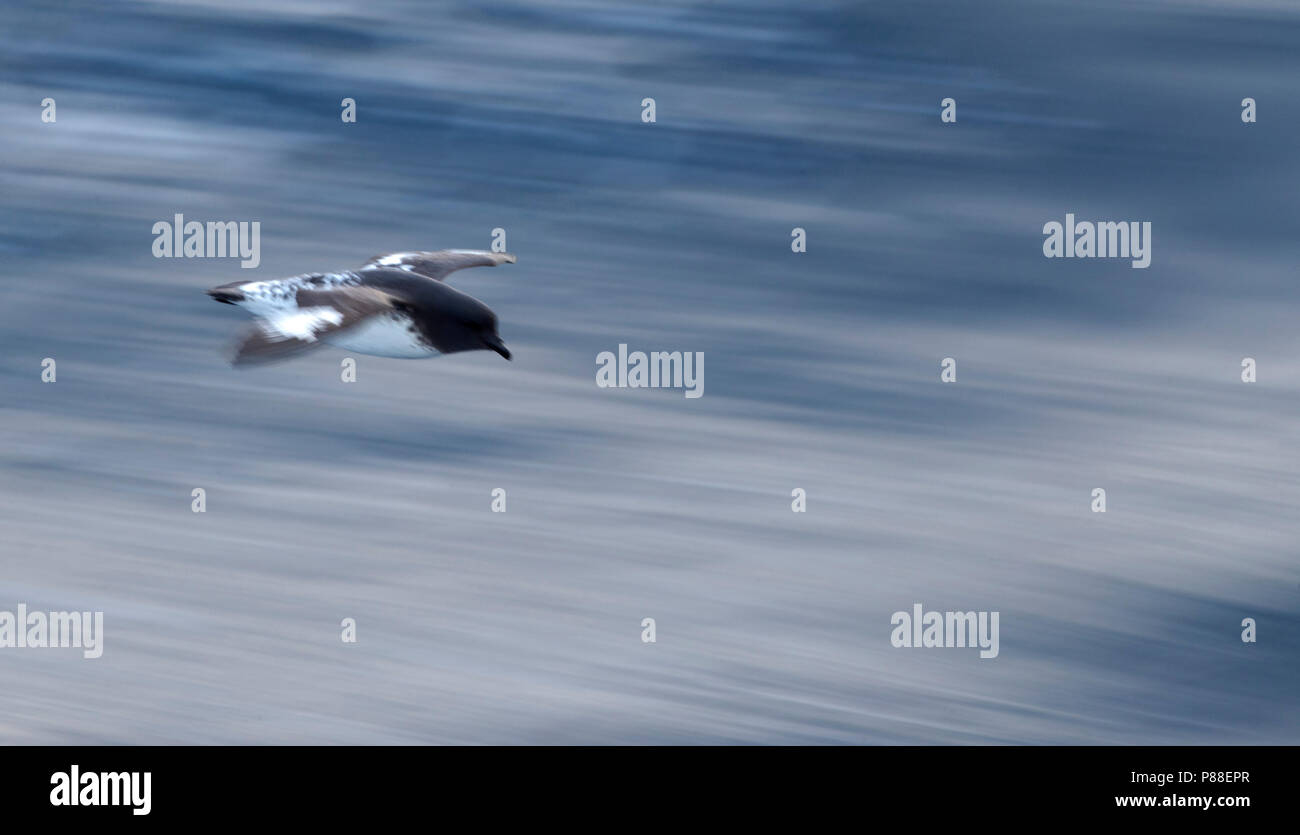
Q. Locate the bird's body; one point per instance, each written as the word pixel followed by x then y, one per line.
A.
pixel 394 306
pixel 393 335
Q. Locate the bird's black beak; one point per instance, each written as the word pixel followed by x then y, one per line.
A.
pixel 495 343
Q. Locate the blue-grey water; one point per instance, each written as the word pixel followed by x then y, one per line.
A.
pixel 371 500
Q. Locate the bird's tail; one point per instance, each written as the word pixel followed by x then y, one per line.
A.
pixel 227 294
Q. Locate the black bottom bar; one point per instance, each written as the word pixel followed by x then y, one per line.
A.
pixel 335 785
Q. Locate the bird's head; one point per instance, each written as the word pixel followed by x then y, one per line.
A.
pixel 483 323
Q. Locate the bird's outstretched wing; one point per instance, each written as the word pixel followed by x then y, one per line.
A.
pixel 438 265
pixel 319 313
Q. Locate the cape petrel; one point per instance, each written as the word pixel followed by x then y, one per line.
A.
pixel 393 306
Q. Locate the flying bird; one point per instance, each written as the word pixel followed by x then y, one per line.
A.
pixel 394 305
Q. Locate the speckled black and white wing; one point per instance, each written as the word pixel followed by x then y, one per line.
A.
pixel 262 298
pixel 315 316
pixel 437 265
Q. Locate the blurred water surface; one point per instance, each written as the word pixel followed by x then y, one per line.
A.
pixel 371 500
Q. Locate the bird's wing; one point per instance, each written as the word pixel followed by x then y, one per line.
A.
pixel 438 265
pixel 293 331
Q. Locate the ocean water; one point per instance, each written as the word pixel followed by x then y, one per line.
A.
pixel 371 500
